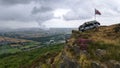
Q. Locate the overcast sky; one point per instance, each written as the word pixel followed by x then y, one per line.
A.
pixel 56 13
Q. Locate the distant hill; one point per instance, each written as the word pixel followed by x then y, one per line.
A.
pixel 7 40
pixel 12 39
pixel 34 32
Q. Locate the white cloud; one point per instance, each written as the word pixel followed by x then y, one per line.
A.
pixel 47 12
pixel 60 12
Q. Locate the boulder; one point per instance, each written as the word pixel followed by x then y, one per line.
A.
pixel 117 65
pixel 113 64
pixel 100 52
pixel 95 65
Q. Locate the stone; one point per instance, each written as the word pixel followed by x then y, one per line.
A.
pixel 113 64
pixel 69 64
pixel 104 66
pixel 76 50
pixel 62 65
pixel 53 66
pixel 117 65
pixel 51 60
pixel 72 64
pixel 100 52
pixel 95 65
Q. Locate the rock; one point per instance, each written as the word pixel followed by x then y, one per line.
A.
pixel 76 50
pixel 117 28
pixel 84 52
pixel 104 66
pixel 53 66
pixel 51 60
pixel 113 64
pixel 72 64
pixel 95 65
pixel 100 52
pixel 69 64
pixel 62 65
pixel 117 65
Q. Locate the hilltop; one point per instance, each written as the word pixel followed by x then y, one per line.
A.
pixel 108 34
pixel 94 48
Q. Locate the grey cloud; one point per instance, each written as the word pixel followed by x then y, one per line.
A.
pixel 46 6
pixel 40 18
pixel 15 14
pixel 85 9
pixel 46 17
pixel 80 10
pixel 42 9
pixel 14 2
pixel 14 17
pixel 72 15
pixel 74 5
pixel 68 18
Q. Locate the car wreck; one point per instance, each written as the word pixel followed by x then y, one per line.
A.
pixel 89 25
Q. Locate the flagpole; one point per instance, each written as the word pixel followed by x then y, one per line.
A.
pixel 95 17
pixel 95 14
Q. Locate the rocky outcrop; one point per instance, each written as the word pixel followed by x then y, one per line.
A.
pixel 96 48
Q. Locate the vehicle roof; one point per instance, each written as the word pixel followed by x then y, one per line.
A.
pixel 89 22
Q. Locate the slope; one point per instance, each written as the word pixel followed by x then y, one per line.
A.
pixel 94 48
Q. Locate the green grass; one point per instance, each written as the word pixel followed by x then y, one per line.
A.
pixel 23 59
pixel 30 44
pixel 5 49
pixel 112 51
pixel 12 50
pixel 8 49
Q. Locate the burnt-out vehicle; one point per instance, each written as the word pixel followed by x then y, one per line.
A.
pixel 89 25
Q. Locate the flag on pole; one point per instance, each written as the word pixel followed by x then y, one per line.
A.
pixel 97 12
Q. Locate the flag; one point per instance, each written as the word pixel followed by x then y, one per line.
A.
pixel 97 12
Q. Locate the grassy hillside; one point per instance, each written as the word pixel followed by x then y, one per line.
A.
pixel 94 48
pixel 15 48
pixel 13 45
pixel 25 59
